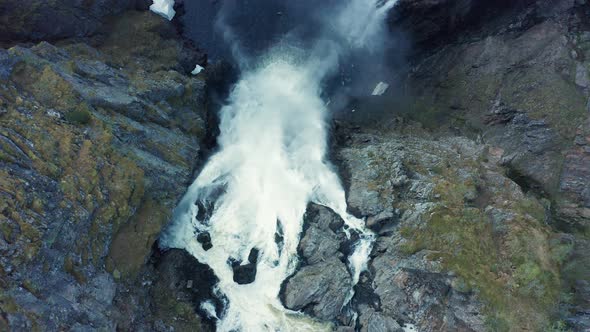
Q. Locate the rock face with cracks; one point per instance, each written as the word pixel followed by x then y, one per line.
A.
pixel 312 289
pixel 98 139
pixel 476 185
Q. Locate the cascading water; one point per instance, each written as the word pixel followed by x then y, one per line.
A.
pixel 270 165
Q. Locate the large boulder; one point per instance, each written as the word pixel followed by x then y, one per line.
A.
pixel 319 290
pixel 311 290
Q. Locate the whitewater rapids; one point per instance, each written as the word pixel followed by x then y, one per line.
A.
pixel 270 165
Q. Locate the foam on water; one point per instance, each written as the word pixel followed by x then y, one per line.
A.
pixel 271 163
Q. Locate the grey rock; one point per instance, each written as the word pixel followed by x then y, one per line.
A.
pixel 383 221
pixel 582 77
pixel 375 321
pixel 320 289
pixel 321 240
pixel 6 64
pixel 82 270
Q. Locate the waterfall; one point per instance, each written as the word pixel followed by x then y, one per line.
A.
pixel 271 163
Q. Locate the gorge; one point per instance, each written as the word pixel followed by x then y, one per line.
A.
pixel 273 190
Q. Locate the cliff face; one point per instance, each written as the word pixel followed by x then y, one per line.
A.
pixel 99 138
pixel 515 84
pixel 475 174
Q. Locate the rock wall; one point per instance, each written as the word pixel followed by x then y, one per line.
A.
pixel 99 138
pixel 475 179
pixel 474 173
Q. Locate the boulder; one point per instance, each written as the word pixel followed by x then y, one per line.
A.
pixel 319 290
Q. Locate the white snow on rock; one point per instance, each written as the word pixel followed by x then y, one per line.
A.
pixel 409 327
pixel 380 89
pixel 197 70
pixel 164 8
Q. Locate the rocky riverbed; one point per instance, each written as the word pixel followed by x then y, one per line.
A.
pixel 473 171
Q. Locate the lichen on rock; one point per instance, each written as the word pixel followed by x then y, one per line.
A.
pixel 95 152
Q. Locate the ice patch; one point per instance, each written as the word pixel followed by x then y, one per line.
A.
pixel 164 8
pixel 197 70
pixel 380 89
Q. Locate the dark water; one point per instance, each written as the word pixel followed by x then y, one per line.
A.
pixel 256 25
pixel 253 26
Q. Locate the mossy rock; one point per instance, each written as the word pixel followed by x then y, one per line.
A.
pixel 80 117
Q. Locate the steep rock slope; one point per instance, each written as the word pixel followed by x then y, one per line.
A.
pixel 99 138
pixel 477 180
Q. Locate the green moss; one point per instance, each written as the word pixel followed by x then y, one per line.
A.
pixel 132 244
pixel 497 324
pixel 6 229
pixel 81 117
pixel 561 251
pixel 174 311
pixel 535 90
pixel 513 268
pixel 31 287
pixel 70 267
pixel 465 243
pixel 7 304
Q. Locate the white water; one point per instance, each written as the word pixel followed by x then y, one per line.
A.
pixel 271 164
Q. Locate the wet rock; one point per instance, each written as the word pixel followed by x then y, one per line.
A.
pixel 318 293
pixel 323 236
pixel 323 248
pixel 205 240
pixel 246 273
pixel 383 221
pixel 374 321
pixel 175 303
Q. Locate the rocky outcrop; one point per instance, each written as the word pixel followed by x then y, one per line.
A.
pixel 519 82
pixel 311 289
pixel 470 250
pixel 516 81
pixel 99 139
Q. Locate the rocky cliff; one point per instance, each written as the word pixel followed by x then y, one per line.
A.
pixel 99 138
pixel 474 173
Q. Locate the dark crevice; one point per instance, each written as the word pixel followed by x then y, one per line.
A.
pixel 187 279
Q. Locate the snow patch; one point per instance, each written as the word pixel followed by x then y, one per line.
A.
pixel 164 8
pixel 380 89
pixel 409 327
pixel 197 70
